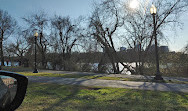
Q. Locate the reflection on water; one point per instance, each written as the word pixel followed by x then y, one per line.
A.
pixel 7 63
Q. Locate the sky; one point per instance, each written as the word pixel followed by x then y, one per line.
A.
pixel 75 8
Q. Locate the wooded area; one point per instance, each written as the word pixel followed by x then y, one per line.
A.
pixel 74 45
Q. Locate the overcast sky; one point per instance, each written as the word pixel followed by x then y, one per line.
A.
pixel 75 8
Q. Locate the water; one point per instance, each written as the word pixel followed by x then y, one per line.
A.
pixel 94 67
pixel 11 63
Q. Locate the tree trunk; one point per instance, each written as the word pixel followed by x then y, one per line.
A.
pixel 67 64
pixel 101 66
pixel 137 66
pixel 125 66
pixel 140 64
pixel 111 58
pixel 117 67
pixel 43 60
pixel 43 49
pixel 1 51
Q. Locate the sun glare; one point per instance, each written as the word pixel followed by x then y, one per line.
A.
pixel 134 4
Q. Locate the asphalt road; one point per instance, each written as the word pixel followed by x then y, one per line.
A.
pixel 112 83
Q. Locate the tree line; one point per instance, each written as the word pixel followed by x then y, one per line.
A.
pixel 64 42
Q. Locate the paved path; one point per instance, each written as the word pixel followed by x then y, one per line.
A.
pixel 112 83
pixel 116 75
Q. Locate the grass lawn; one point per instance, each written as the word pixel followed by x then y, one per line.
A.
pixel 17 69
pixel 86 76
pixel 53 97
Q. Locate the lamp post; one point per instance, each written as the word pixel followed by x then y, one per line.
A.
pixel 35 35
pixel 153 11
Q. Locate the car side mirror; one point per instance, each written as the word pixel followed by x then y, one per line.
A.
pixel 12 90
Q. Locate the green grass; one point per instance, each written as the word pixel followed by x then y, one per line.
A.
pixel 53 97
pixel 28 72
pixel 53 75
pixel 17 69
pixel 86 76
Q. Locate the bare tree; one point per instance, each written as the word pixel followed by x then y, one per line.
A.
pixel 18 48
pixel 67 35
pixel 39 22
pixel 7 26
pixel 139 30
pixel 104 23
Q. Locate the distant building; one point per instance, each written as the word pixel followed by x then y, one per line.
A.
pixel 123 49
pixel 152 48
pixel 164 49
pixel 161 48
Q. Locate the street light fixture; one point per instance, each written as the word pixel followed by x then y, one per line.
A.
pixel 35 35
pixel 153 11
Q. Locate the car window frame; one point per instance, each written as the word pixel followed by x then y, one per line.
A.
pixel 22 82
